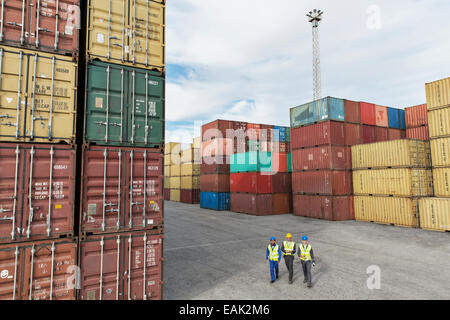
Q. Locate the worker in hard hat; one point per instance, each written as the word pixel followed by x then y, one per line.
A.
pixel 306 254
pixel 273 255
pixel 289 248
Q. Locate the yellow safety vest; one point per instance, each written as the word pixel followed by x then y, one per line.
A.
pixel 305 254
pixel 273 254
pixel 288 245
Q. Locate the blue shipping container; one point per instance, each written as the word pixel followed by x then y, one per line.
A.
pixel 321 110
pixel 281 137
pixel 402 119
pixel 394 118
pixel 215 201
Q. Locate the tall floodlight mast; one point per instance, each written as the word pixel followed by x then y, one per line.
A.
pixel 315 17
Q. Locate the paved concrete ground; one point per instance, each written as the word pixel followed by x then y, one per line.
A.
pixel 221 255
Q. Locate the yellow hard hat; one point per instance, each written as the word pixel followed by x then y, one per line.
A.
pixel 289 235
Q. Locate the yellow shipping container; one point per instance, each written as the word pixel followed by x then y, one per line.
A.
pixel 441 182
pixel 439 123
pixel 187 155
pixel 197 156
pixel 167 183
pixel 190 182
pixel 387 210
pixel 190 169
pixel 434 214
pixel 127 32
pixel 37 96
pixel 173 148
pixel 175 182
pixel 175 170
pixel 438 93
pixel 171 159
pixel 404 182
pixel 396 153
pixel 166 171
pixel 440 155
pixel 175 195
pixel 197 142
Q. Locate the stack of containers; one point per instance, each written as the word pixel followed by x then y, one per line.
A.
pixel 38 97
pixel 190 174
pixel 389 178
pixel 435 212
pixel 121 216
pixel 172 171
pixel 417 122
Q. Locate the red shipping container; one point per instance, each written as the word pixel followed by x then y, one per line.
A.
pixel 279 162
pixel 253 131
pixel 122 266
pixel 395 134
pixel 167 194
pixel 323 157
pixel 368 134
pixel 215 182
pixel 352 111
pixel 35 270
pixel 282 203
pixel 416 116
pixel 238 125
pixel 419 133
pixel 324 207
pixel 280 147
pixel 216 129
pixel 324 182
pixel 250 182
pixel 191 196
pixel 367 113
pixel 255 204
pixel 282 182
pixel 265 132
pixel 381 134
pixel 218 147
pixel 353 134
pixel 29 173
pixel 112 192
pixel 329 132
pixel 217 164
pixel 381 116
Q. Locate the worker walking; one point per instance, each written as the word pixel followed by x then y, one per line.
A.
pixel 289 248
pixel 273 254
pixel 306 255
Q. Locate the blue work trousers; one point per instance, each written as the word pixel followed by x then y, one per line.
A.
pixel 273 269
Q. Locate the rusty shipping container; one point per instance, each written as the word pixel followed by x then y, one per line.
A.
pixel 259 204
pixel 37 96
pixel 127 32
pixel 122 266
pixel 395 134
pixel 323 157
pixel 122 189
pixel 329 132
pixel 217 164
pixel 332 208
pixel 29 174
pixel 191 196
pixel 259 183
pixel 416 116
pixel 368 115
pixel 215 182
pixel 369 134
pixel 352 111
pixel 381 134
pixel 323 182
pixel 353 134
pixel 418 133
pixel 39 270
pixel 45 25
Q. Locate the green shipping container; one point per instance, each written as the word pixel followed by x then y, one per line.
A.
pixel 124 106
pixel 288 134
pixel 251 162
pixel 289 162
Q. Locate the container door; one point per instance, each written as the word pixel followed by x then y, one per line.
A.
pixel 107 30
pixel 147 34
pixel 51 99
pixel 48 271
pixel 54 25
pixel 11 192
pixel 143 267
pixel 11 261
pixel 13 22
pixel 13 70
pixel 103 190
pixel 106 105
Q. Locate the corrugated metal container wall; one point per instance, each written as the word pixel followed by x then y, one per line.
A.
pixel 419 133
pixel 353 134
pixel 324 109
pixel 391 154
pixel 166 194
pixel 175 182
pixel 395 134
pixel 132 34
pixel 175 170
pixel 216 129
pixel 190 182
pixel 190 169
pixel 402 119
pixel 220 146
pixel 352 112
pixel 124 106
pixel 381 134
pixel 122 189
pixel 281 203
pixel 438 93
pixel 43 25
pixel 434 214
pixel 39 270
pixel 37 96
pixel 404 182
pixel 368 134
pixel 381 116
pixel 329 132
pixel 122 266
pixel 250 182
pixel 324 157
pixel 215 201
pixel 324 207
pixel 394 118
pixel 387 210
pixel 368 113
pixel 175 195
pixel 217 164
pixel 215 182
pixel 256 204
pixel 29 174
pixel 324 182
pixel 441 179
pixel 440 152
pixel 172 148
pixel 191 196
pixel 416 116
pixel 251 162
pixel 439 123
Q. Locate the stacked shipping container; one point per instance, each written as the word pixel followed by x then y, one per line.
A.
pixel 39 49
pixel 190 173
pixel 417 122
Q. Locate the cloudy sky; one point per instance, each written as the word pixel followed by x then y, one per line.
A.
pixel 251 60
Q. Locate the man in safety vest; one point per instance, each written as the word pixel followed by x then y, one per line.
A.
pixel 306 254
pixel 273 254
pixel 289 248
